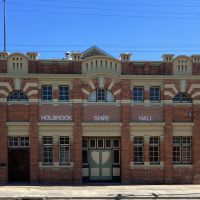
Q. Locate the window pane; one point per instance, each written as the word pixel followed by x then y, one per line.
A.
pixel 48 155
pixel 138 93
pixel 64 93
pixel 47 140
pixel 138 150
pixel 64 141
pixel 24 141
pixel 85 143
pixel 110 97
pixel 92 143
pixel 17 96
pixel 101 95
pixel 116 143
pixel 92 97
pixel 64 154
pixel 155 94
pixel 181 98
pixel 116 156
pixel 108 143
pixel 47 92
pixel 13 141
pixel 182 150
pixel 100 143
pixel 85 156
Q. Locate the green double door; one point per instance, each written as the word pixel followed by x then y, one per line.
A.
pixel 100 165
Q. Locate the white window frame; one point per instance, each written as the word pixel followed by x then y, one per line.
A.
pixel 135 96
pixel 154 96
pixel 153 144
pixel 138 145
pixel 64 93
pixel 47 145
pixel 47 96
pixel 65 145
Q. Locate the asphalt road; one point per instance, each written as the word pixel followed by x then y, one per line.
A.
pixel 114 192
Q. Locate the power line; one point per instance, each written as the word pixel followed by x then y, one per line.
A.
pixel 108 45
pixel 128 4
pixel 105 15
pixel 107 9
pixel 131 51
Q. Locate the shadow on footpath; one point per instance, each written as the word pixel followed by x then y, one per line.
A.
pixel 113 197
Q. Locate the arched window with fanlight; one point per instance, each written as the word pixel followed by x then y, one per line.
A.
pixel 101 95
pixel 17 96
pixel 181 98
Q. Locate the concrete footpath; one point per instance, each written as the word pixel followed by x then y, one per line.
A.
pixel 115 192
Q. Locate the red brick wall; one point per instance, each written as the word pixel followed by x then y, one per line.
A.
pixel 168 144
pixel 147 176
pixel 77 140
pixel 182 114
pixel 196 145
pixel 114 112
pixel 146 68
pixel 18 113
pixel 3 144
pixel 34 143
pixel 55 67
pixel 155 112
pixel 196 69
pixel 3 66
pixel 54 175
pixel 126 144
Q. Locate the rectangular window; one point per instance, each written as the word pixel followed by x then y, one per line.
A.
pixel 85 152
pixel 116 143
pixel 101 95
pixel 100 143
pixel 47 143
pixel 24 141
pixel 64 93
pixel 85 156
pixel 64 150
pixel 138 150
pixel 47 93
pixel 154 150
pixel 108 143
pixel 138 94
pixel 13 142
pixel 18 142
pixel 92 143
pixel 116 156
pixel 182 150
pixel 154 94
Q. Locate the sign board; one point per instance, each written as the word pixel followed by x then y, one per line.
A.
pixel 101 113
pixel 55 113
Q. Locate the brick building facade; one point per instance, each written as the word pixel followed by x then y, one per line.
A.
pixel 92 117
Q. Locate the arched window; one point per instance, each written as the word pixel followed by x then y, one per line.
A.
pixel 17 96
pixel 181 98
pixel 101 95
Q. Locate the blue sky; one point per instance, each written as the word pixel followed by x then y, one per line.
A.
pixel 146 28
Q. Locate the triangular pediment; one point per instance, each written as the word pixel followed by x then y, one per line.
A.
pixel 94 51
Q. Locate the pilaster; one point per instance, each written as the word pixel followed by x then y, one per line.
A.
pixel 168 144
pixel 77 142
pixel 196 144
pixel 126 145
pixel 34 143
pixel 3 144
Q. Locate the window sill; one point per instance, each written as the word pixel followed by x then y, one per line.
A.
pixel 182 165
pixel 18 102
pixel 146 165
pixel 57 165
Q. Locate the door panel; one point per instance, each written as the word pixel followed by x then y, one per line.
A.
pixel 100 165
pixel 19 167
